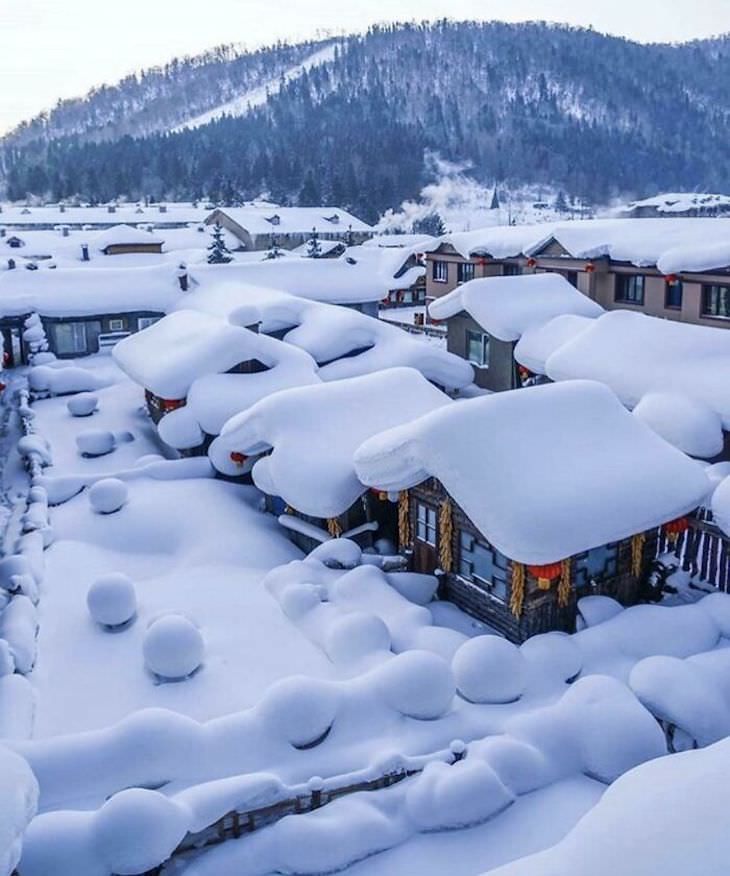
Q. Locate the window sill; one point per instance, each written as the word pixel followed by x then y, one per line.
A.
pixel 715 316
pixel 631 303
pixel 439 281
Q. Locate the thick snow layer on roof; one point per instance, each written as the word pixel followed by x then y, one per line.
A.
pixel 677 202
pixel 696 258
pixel 721 505
pixel 89 291
pixel 169 355
pixel 387 263
pixel 507 307
pixel 635 354
pixel 686 795
pixel 537 344
pixel 53 214
pixel 533 470
pixel 416 242
pixel 498 241
pixel 294 220
pixel 124 235
pixel 314 432
pixel 687 423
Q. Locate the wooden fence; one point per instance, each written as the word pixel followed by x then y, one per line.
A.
pixel 703 551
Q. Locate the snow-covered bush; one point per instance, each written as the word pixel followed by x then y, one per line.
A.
pixel 137 829
pixel 18 803
pixel 338 553
pixel 298 599
pixel 112 600
pixel 173 647
pixel 108 495
pixel 95 442
pixel 83 405
pixel 418 684
pixel 455 796
pixel 18 626
pixel 11 567
pixel 489 669
pixel 63 381
pixel 356 635
pixel 35 445
pixel 299 710
pixel 555 654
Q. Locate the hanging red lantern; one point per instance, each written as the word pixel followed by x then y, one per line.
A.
pixel 675 528
pixel 483 262
pixel 546 574
pixel 671 278
pixel 380 495
pixel 590 268
pixel 238 458
pixel 172 404
pixel 531 263
pixel 525 373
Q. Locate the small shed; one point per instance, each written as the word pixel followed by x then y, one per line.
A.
pixel 529 500
pixel 124 239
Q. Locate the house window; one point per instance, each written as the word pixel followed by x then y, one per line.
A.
pixel 71 338
pixel 510 270
pixel 596 565
pixel 673 295
pixel 117 325
pixel 477 348
pixel 465 272
pixel 630 288
pixel 716 302
pixel 441 272
pixel 426 524
pixel 482 564
pixel 144 322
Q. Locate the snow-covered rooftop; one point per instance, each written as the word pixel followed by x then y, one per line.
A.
pixel 544 473
pixel 125 235
pixel 635 354
pixel 314 432
pixel 293 220
pixel 169 355
pixel 507 307
pixel 538 343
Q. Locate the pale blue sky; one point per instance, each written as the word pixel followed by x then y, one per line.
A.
pixel 51 49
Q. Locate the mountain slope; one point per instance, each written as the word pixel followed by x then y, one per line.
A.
pixel 530 103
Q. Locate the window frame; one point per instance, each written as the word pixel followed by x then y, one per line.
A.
pixel 484 341
pixel 709 289
pixel 117 325
pixel 668 287
pixel 497 586
pixel 465 267
pixel 144 322
pixel 440 266
pixel 626 290
pixel 426 524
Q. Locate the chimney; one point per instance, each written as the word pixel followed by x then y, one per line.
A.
pixel 111 209
pixel 62 208
pixel 182 277
pixel 163 208
pixel 3 232
pixel 84 252
pixel 64 230
pixel 11 264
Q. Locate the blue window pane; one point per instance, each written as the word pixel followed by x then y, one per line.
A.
pixel 482 564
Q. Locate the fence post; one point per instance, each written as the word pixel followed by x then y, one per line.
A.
pixel 315 785
pixel 458 750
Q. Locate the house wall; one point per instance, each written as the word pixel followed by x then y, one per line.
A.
pixel 438 288
pixel 93 327
pixel 126 248
pixel 501 373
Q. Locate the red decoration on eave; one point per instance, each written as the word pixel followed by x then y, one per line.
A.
pixel 531 263
pixel 676 527
pixel 172 404
pixel 590 268
pixel 482 262
pixel 238 458
pixel 671 278
pixel 546 573
pixel 380 495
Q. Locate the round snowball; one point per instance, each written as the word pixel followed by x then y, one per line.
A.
pixel 155 824
pixel 95 442
pixel 555 653
pixel 112 600
pixel 108 495
pixel 299 710
pixel 82 405
pixel 173 647
pixel 489 669
pixel 417 684
pixel 356 635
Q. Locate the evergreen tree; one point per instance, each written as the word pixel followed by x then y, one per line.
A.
pixel 309 194
pixel 432 224
pixel 495 205
pixel 314 248
pixel 218 252
pixel 561 205
pixel 274 251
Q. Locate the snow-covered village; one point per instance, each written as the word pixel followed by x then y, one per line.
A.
pixel 365 440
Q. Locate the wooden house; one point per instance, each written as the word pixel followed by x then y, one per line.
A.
pixel 125 240
pixel 517 502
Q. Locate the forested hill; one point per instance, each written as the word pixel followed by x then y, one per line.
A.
pixel 597 116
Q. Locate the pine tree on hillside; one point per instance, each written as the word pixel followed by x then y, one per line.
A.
pixel 218 252
pixel 561 205
pixel 432 224
pixel 495 205
pixel 314 248
pixel 309 194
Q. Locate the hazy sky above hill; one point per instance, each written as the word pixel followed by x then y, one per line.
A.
pixel 51 49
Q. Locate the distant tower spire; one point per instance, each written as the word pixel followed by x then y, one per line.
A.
pixel 495 199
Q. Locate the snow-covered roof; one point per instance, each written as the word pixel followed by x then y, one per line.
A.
pixel 721 505
pixel 98 216
pixel 537 344
pixel 314 432
pixel 687 423
pixel 408 241
pixel 125 235
pixel 544 473
pixel 497 241
pixel 89 291
pixel 681 202
pixel 292 220
pixel 169 355
pixel 507 307
pixel 635 354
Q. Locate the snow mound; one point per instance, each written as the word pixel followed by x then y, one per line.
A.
pixel 299 710
pixel 95 442
pixel 537 344
pixel 136 829
pixel 594 610
pixel 173 647
pixel 355 636
pixel 339 553
pixel 418 684
pixel 108 495
pixel 83 405
pixel 554 654
pixel 298 599
pixel 64 381
pixel 446 796
pixel 721 505
pixel 18 803
pixel 112 600
pixel 689 424
pixel 489 669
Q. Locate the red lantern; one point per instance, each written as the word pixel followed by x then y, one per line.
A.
pixel 172 404
pixel 531 263
pixel 590 268
pixel 545 574
pixel 671 278
pixel 2 386
pixel 675 528
pixel 238 458
pixel 380 495
pixel 482 262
